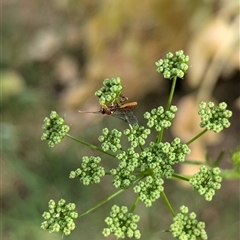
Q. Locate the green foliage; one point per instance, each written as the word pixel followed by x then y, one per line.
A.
pixel 236 160
pixel 143 165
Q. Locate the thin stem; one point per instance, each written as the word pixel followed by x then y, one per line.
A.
pixel 168 204
pixel 102 202
pixel 134 204
pixel 90 145
pixel 180 177
pixel 108 198
pixel 141 148
pixel 171 93
pixel 218 159
pixel 197 136
pixel 160 135
pixel 193 162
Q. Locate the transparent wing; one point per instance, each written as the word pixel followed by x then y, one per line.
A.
pixel 126 116
pixel 131 118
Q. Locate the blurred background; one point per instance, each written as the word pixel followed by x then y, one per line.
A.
pixel 55 55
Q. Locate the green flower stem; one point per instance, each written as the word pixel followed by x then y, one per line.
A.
pixel 178 176
pixel 102 202
pixel 218 159
pixel 171 93
pixel 109 198
pixel 229 174
pixel 160 136
pixel 141 148
pixel 193 162
pixel 168 204
pixel 197 136
pixel 134 204
pixel 90 145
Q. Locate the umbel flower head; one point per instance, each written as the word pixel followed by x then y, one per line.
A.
pixel 55 129
pixel 186 227
pixel 122 223
pixel 206 181
pixel 110 92
pixel 173 66
pixel 137 135
pixel 60 217
pixel 159 118
pixel 111 140
pixel 90 172
pixel 124 174
pixel 213 117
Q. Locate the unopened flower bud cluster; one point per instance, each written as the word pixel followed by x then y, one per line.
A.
pixel 90 171
pixel 159 118
pixel 111 140
pixel 122 223
pixel 160 157
pixel 110 91
pixel 55 129
pixel 60 217
pixel 206 181
pixel 156 163
pixel 173 65
pixel 137 135
pixel 149 189
pixel 213 117
pixel 123 174
pixel 186 227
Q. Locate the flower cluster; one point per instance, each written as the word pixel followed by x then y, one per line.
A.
pixel 156 162
pixel 111 140
pixel 187 227
pixel 137 135
pixel 90 171
pixel 149 189
pixel 60 217
pixel 159 118
pixel 122 223
pixel 158 158
pixel 123 174
pixel 110 92
pixel 56 129
pixel 213 117
pixel 173 66
pixel 143 164
pixel 206 181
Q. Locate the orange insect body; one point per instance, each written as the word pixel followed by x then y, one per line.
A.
pixel 108 110
pixel 127 106
pixel 124 108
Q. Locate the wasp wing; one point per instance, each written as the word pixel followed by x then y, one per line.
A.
pixel 126 116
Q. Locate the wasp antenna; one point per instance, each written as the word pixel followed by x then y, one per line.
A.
pixel 88 112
